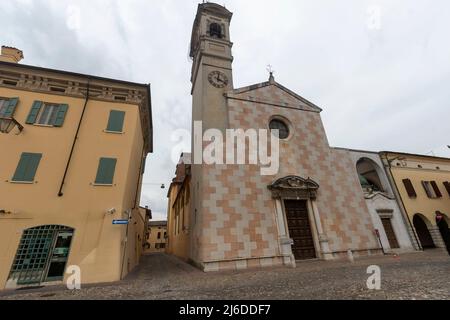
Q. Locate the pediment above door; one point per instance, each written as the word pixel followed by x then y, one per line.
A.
pixel 294 187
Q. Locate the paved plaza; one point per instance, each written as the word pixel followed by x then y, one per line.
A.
pixel 420 275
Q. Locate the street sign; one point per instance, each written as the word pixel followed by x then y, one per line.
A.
pixel 122 221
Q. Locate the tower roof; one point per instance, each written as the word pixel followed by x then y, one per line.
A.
pixel 215 9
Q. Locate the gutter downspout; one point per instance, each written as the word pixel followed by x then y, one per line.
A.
pixel 125 245
pixel 60 193
pixel 391 177
pixel 141 174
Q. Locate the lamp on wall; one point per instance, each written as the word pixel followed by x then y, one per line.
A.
pixel 7 124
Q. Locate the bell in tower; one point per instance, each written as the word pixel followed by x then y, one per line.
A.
pixel 215 30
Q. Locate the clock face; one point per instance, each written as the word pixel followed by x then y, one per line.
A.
pixel 218 79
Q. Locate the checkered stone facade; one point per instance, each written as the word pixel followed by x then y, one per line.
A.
pixel 238 223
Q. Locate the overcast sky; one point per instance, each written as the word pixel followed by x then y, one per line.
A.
pixel 380 70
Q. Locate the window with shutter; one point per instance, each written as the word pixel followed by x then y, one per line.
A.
pixel 409 188
pixel 435 187
pixel 60 115
pixel 35 108
pixel 48 114
pixel 27 167
pixel 115 121
pixel 428 190
pixel 7 107
pixel 3 103
pixel 431 189
pixel 105 171
pixel 447 187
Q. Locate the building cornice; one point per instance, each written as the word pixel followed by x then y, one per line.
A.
pixel 411 155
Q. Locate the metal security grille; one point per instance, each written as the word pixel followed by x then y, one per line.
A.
pixel 33 254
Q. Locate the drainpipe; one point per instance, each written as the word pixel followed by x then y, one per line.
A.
pixel 125 245
pixel 60 193
pixel 393 182
pixel 140 174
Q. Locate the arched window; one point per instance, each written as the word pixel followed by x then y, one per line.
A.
pixel 215 30
pixel 368 175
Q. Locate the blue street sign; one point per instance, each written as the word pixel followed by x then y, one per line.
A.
pixel 124 221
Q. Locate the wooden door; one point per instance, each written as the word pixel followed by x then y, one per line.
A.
pixel 389 230
pixel 300 229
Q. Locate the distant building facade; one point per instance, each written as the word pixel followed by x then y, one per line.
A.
pixel 73 149
pixel 179 209
pixel 423 187
pixel 391 224
pixel 156 236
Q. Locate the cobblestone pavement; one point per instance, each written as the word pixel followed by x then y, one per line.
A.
pixel 420 275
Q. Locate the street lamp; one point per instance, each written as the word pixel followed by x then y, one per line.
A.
pixel 162 185
pixel 7 124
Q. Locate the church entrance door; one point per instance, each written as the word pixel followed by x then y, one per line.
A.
pixel 300 229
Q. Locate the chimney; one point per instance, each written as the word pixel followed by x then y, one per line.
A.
pixel 10 54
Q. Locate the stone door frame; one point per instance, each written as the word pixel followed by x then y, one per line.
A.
pixel 298 188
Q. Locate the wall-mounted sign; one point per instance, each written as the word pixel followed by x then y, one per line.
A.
pixel 122 221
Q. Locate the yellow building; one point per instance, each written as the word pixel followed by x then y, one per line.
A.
pixel 73 149
pixel 422 184
pixel 178 211
pixel 156 236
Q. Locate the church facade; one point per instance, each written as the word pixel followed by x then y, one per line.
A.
pixel 312 208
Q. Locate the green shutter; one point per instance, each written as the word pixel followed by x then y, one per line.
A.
pixel 105 172
pixel 115 122
pixel 31 119
pixel 26 169
pixel 10 107
pixel 60 115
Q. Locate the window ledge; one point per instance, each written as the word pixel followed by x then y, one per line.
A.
pixel 102 184
pixel 43 125
pixel 21 182
pixel 114 132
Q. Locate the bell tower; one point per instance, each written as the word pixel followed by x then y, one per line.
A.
pixel 211 77
pixel 211 73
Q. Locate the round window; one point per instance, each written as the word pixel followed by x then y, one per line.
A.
pixel 283 129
